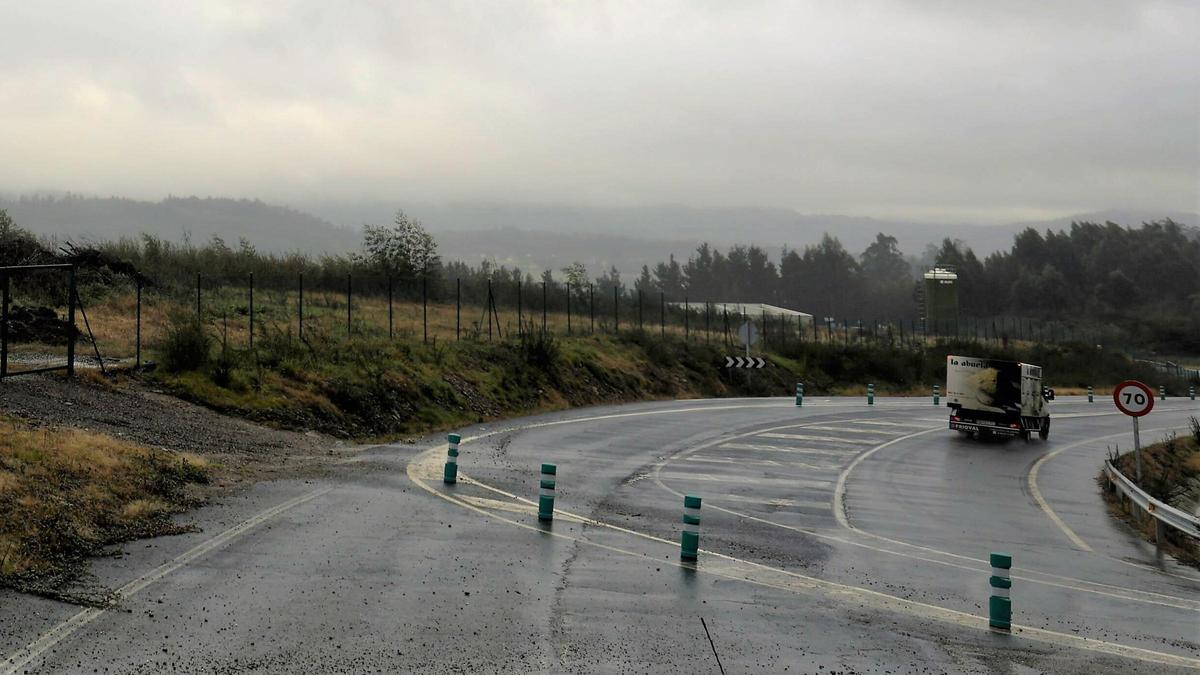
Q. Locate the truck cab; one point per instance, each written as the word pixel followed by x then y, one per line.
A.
pixel 990 398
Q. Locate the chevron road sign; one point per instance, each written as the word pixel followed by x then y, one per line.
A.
pixel 745 362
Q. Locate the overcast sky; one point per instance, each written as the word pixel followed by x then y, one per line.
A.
pixel 981 111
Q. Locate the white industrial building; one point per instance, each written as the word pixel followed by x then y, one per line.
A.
pixel 751 310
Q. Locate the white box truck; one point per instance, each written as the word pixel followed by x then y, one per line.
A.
pixel 992 398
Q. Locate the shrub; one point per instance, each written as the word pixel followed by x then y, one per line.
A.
pixel 186 346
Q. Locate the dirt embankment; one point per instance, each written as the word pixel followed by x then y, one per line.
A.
pixel 88 464
pixel 129 410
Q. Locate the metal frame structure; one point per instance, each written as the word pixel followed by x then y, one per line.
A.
pixel 6 276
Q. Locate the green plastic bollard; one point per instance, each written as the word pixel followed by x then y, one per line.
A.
pixel 1000 602
pixel 1090 393
pixel 450 474
pixel 1162 393
pixel 799 394
pixel 689 544
pixel 937 394
pixel 546 492
pixel 870 394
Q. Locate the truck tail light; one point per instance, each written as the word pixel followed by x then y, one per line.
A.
pixel 955 418
pixel 1014 425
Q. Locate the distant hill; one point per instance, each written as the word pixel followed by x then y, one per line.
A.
pixel 771 228
pixel 266 226
pixel 531 236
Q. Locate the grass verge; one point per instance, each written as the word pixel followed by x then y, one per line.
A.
pixel 67 494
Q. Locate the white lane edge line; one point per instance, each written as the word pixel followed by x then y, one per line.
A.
pixel 65 629
pixel 960 618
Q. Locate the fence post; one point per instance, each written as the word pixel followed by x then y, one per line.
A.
pixel 349 301
pixel 616 311
pixel 489 304
pixel 799 394
pixel 871 394
pixel 641 324
pixel 545 297
pixel 300 306
pixel 592 308
pixel 390 310
pixel 72 298
pixel 662 315
pixel 937 394
pixel 252 311
pixel 138 329
pixel 1162 392
pixel 458 308
pixel 1090 393
pixel 568 307
pixel 424 308
pixel 5 292
pixel 197 296
pixel 687 310
pixel 1000 602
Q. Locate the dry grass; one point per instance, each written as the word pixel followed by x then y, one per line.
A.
pixel 66 493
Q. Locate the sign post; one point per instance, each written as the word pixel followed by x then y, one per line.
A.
pixel 748 335
pixel 1136 400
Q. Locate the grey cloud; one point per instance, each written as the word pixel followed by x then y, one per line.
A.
pixel 955 110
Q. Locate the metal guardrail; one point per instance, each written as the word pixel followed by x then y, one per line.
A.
pixel 1164 513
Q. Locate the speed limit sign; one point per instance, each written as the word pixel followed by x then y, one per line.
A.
pixel 1133 398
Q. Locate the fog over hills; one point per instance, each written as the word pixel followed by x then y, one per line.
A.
pixel 530 236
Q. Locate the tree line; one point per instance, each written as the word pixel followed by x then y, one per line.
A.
pixel 1088 272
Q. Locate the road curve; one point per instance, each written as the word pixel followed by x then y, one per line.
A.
pixel 835 536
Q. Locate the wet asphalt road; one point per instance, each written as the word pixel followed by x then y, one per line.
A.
pixel 835 537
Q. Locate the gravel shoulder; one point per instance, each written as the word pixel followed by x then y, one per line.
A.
pixel 129 409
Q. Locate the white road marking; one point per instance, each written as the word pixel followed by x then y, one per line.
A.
pixel 780 482
pixel 1030 575
pixel 762 462
pixel 1031 479
pixel 839 492
pixel 823 439
pixel 850 430
pixel 884 423
pixel 52 637
pixel 763 575
pixel 784 448
pixel 781 503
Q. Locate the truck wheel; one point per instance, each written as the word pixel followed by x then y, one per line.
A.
pixel 1025 435
pixel 1044 432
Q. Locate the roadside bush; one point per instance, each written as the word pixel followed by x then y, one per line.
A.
pixel 186 346
pixel 540 349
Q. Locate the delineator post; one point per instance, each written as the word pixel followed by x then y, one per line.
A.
pixel 450 475
pixel 546 492
pixel 689 545
pixel 1000 602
